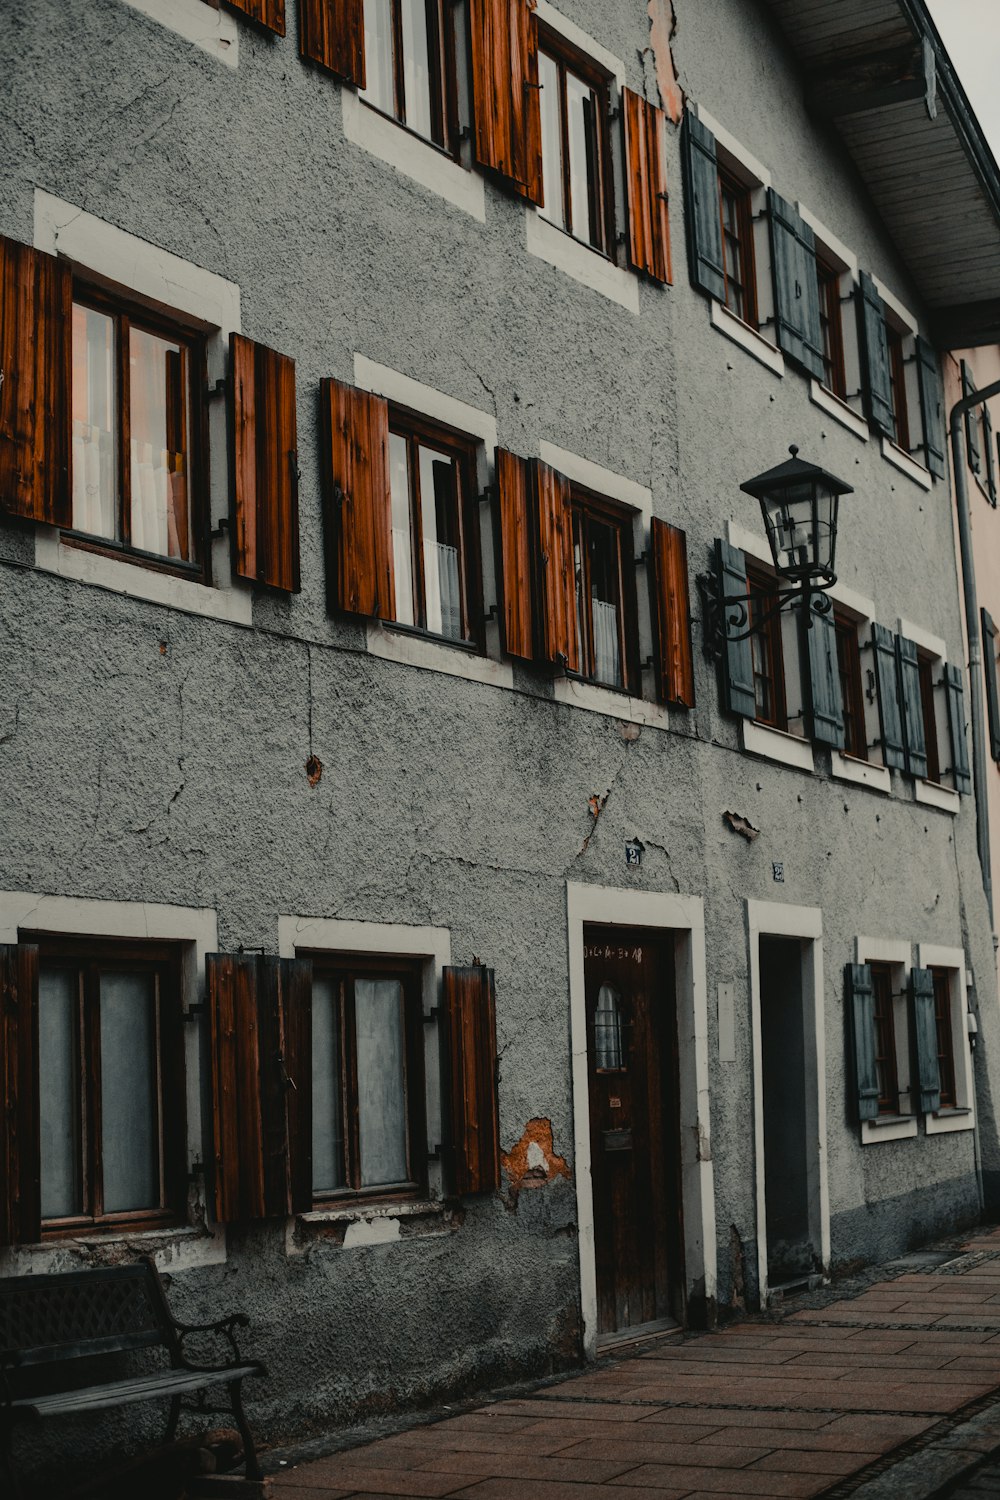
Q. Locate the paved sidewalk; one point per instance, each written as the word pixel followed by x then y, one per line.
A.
pixel 891 1392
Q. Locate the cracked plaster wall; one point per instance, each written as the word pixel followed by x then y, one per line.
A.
pixel 150 755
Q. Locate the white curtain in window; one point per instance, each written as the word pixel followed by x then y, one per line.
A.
pixel 378 1018
pixel 607 660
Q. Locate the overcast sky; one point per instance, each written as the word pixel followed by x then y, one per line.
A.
pixel 970 29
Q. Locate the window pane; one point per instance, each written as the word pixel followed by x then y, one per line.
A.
pixel 608 1029
pixel 129 1092
pixel 552 170
pixel 160 446
pixel 95 469
pixel 439 512
pixel 378 1014
pixel 581 105
pixel 327 1126
pixel 58 1069
pixel 402 546
pixel 378 88
pixel 605 602
pixel 416 67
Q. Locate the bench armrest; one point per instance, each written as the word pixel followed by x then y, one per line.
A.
pixel 224 1327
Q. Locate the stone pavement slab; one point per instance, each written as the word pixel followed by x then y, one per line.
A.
pixel 891 1389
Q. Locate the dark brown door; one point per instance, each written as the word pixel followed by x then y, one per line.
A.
pixel 634 1125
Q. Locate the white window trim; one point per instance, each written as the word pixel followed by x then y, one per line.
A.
pixel 777 744
pixel 930 794
pixel 685 917
pixel 730 144
pixel 838 410
pixel 748 338
pixel 546 241
pixel 595 477
pixel 892 302
pixel 211 29
pixel 905 464
pixel 777 919
pixel 181 1247
pixel 932 644
pixel 860 772
pixel 137 266
pixel 402 389
pixel 431 945
pixel 897 953
pixel 424 164
pixel 931 956
pixel 557 22
pixel 835 248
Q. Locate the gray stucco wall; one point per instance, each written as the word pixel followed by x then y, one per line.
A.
pixel 148 755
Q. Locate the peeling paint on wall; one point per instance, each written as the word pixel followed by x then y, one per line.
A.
pixel 662 26
pixel 534 1161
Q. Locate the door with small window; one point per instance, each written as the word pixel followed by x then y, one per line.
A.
pixel 634 1126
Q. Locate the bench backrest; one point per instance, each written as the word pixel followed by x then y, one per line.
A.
pixel 77 1313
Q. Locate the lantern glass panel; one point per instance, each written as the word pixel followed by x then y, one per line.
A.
pixel 801 522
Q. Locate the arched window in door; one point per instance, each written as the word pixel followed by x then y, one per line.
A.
pixel 608 1030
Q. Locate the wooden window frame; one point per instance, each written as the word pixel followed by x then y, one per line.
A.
pixel 442 53
pixel 417 431
pixel 851 686
pixel 586 506
pixel 945 1037
pixel 832 324
pixel 90 958
pixel 884 1024
pixel 600 183
pixel 762 586
pixel 742 192
pixel 897 381
pixel 344 968
pixel 125 312
pixel 926 667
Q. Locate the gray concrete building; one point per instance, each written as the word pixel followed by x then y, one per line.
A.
pixel 378 381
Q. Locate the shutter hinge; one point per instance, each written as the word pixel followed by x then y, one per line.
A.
pixel 218 389
pixel 435 1155
pixel 221 529
pixel 642 559
pixel 488 495
pixel 194 1011
pixel 491 614
pixel 431 1015
pixel 870 690
pixel 197 1171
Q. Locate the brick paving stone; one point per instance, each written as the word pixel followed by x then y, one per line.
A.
pixel 642 1448
pixel 412 1483
pixel 797 1460
pixel 771 1483
pixel 824 1441
pixel 593 1467
pixel 440 1435
pixel 595 1410
pixel 514 1489
pixel 733 1417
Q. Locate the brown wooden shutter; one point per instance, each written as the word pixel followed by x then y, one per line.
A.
pixel 516 552
pixel 265 465
pixel 332 33
pixel 20 1167
pixel 36 319
pixel 359 520
pixel 269 13
pixel 260 1032
pixel 559 641
pixel 671 605
pixel 508 127
pixel 469 1003
pixel 646 187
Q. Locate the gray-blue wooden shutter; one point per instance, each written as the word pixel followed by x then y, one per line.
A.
pixel 955 697
pixel 990 665
pixel 702 216
pixel 737 661
pixel 971 422
pixel 796 287
pixel 875 358
pixel 914 739
pixel 991 473
pixel 925 1041
pixel 861 1006
pixel 931 407
pixel 827 702
pixel 886 679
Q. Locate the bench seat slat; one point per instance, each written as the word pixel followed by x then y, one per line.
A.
pixel 163 1383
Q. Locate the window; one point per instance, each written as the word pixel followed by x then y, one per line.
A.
pixel 409 53
pixel 575 148
pixel 605 590
pixel 897 384
pixel 926 668
pixel 368 1120
pixel 737 247
pixel 832 326
pixel 885 1040
pixel 111 1110
pixel 851 693
pixel 137 384
pixel 768 657
pixel 435 531
pixel 945 1039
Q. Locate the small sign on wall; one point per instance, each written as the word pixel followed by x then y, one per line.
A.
pixel 633 852
pixel 778 871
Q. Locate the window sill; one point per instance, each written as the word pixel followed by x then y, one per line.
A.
pixel 416 158
pixel 434 655
pixel 213 31
pixel 121 576
pixel 888 1128
pixel 861 772
pixel 748 338
pixel 601 700
pixel 905 464
pixel 932 795
pixel 357 1225
pixel 777 744
pixel 177 1248
pixel 838 410
pixel 547 242
pixel 949 1121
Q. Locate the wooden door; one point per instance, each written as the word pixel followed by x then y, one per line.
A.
pixel 634 1125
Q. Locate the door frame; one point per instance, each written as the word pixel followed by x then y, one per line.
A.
pixel 684 916
pixel 775 919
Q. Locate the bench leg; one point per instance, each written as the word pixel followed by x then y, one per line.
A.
pixel 174 1418
pixel 252 1467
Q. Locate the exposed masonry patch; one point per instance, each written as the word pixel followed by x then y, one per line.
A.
pixel 534 1161
pixel 741 825
pixel 662 28
pixel 314 770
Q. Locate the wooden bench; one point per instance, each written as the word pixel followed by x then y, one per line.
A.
pixel 47 1323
